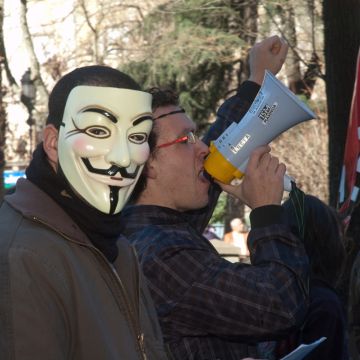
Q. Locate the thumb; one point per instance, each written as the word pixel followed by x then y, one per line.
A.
pixel 234 190
pixel 276 45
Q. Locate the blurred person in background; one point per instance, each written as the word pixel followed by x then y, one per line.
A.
pixel 320 227
pixel 238 237
pixel 210 233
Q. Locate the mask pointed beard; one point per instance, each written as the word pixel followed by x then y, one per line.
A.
pixel 114 198
pixel 71 192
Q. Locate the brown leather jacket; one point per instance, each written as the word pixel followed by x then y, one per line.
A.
pixel 59 296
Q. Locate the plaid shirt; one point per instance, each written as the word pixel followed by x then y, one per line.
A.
pixel 208 307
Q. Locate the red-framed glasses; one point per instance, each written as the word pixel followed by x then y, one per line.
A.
pixel 189 138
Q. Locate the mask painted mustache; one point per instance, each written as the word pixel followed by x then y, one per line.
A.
pixel 111 171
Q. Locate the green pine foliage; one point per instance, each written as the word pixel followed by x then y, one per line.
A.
pixel 187 48
pixel 218 215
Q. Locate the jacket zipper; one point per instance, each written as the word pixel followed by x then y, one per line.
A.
pixel 134 324
pixel 141 336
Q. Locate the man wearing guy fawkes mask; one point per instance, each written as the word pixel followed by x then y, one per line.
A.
pixel 101 152
pixel 67 271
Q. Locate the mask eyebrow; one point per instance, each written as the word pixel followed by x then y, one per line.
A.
pixel 110 116
pixel 141 119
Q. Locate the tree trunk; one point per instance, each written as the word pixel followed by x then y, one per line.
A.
pixel 298 83
pixel 33 64
pixel 342 40
pixel 244 24
pixel 96 53
pixel 3 57
pixel 293 72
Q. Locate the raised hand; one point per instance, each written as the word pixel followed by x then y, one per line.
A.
pixel 269 54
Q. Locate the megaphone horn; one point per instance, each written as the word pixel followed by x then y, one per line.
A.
pixel 274 110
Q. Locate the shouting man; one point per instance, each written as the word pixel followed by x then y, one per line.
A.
pixel 208 307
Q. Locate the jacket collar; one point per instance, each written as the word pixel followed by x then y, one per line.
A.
pixel 35 204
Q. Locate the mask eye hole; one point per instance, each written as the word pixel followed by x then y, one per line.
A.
pixel 138 138
pixel 99 132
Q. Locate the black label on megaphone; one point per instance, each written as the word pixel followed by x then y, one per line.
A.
pixel 235 149
pixel 266 112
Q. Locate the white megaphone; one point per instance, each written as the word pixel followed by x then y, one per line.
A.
pixel 274 110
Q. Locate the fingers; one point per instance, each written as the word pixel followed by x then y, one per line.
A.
pixel 276 47
pixel 256 155
pixel 279 49
pixel 283 50
pixel 229 189
pixel 261 158
pixel 234 190
pixel 274 44
pixel 263 183
pixel 272 164
pixel 264 180
pixel 281 170
pixel 268 54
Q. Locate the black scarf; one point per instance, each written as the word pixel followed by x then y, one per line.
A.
pixel 103 230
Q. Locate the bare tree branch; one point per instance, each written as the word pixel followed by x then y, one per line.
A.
pixel 34 63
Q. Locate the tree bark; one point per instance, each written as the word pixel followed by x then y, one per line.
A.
pixel 97 55
pixel 293 72
pixel 300 84
pixel 342 40
pixel 244 24
pixel 34 63
pixel 3 57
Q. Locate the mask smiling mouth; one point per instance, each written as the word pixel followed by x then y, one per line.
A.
pixel 111 171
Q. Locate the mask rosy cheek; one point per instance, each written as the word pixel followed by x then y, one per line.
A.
pixel 141 155
pixel 83 147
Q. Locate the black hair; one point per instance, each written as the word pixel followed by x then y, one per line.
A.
pixel 160 98
pixel 323 237
pixel 94 75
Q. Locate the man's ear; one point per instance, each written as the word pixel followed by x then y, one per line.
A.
pixel 151 168
pixel 50 143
